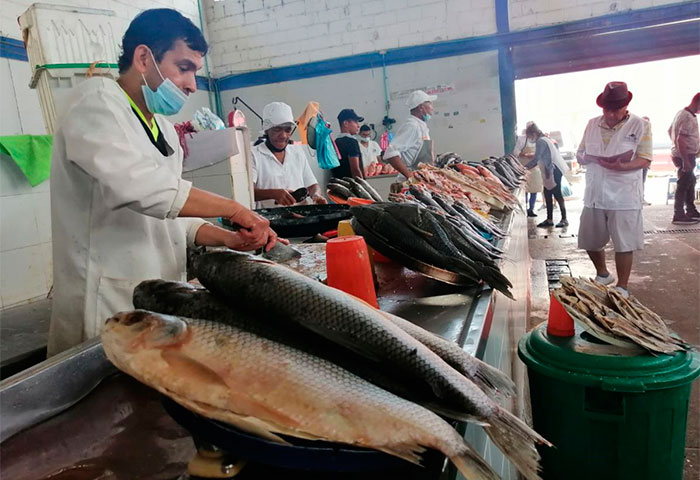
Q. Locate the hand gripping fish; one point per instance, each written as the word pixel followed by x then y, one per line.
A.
pixel 266 388
pixel 254 284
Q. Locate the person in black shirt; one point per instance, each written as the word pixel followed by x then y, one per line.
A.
pixel 348 146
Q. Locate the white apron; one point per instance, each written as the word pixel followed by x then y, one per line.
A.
pixel 557 162
pixel 114 203
pixel 610 189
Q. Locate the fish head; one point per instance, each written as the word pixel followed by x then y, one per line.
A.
pixel 141 329
pixel 367 214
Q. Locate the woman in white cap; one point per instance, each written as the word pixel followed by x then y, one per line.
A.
pixel 411 144
pixel 279 169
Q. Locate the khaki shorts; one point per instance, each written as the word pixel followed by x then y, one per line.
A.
pixel 598 226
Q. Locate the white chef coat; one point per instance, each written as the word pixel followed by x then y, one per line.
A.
pixel 114 205
pixel 611 189
pixel 369 152
pixel 269 173
pixel 408 141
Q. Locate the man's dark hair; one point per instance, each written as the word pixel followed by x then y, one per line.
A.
pixel 365 128
pixel 159 29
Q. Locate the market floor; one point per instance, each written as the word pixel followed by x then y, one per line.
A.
pixel 665 276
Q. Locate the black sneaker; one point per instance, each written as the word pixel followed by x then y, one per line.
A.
pixel 530 213
pixel 563 223
pixel 546 224
pixel 684 220
pixel 695 215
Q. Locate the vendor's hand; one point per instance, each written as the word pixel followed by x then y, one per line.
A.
pixel 255 230
pixel 320 200
pixel 235 241
pixel 284 197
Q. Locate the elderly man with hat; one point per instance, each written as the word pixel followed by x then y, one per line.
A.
pixel 616 146
pixel 281 168
pixel 411 144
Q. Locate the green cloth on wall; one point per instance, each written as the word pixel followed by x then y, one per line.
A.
pixel 31 153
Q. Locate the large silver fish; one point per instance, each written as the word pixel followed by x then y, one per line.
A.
pixel 258 285
pixel 266 388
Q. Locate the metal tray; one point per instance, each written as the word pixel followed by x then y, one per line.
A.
pixel 408 261
pixel 317 219
pixel 299 454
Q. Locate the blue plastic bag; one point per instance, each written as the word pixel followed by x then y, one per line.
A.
pixel 566 190
pixel 326 153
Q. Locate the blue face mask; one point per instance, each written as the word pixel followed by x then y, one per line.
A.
pixel 426 117
pixel 167 99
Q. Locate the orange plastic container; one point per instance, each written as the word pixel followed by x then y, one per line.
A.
pixel 560 323
pixel 348 267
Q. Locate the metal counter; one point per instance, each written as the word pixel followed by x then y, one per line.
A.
pixel 480 320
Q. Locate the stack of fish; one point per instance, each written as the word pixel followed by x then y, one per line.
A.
pixel 620 321
pixel 477 183
pixel 347 187
pixel 445 236
pixel 508 169
pixel 274 352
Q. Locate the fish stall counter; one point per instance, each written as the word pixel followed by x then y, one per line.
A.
pixel 76 416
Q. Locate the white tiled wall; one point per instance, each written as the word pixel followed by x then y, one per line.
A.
pixel 535 13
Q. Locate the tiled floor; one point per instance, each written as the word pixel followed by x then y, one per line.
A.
pixel 666 276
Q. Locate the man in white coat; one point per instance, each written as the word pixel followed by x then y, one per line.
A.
pixel 119 206
pixel 616 146
pixel 280 169
pixel 411 144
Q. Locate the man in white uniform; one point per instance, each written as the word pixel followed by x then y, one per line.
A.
pixel 616 146
pixel 411 144
pixel 278 167
pixel 117 196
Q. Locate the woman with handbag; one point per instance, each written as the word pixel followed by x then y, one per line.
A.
pixel 553 169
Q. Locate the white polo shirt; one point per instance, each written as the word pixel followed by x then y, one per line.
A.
pixel 268 172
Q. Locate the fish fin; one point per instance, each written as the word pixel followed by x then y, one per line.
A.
pixel 473 466
pixel 420 231
pixel 492 381
pixel 409 452
pixel 248 424
pixel 517 442
pixel 187 367
pixel 454 414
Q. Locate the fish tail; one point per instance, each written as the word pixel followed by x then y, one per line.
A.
pixel 473 466
pixel 492 381
pixel 517 442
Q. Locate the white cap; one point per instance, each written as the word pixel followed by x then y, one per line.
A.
pixel 276 113
pixel 417 97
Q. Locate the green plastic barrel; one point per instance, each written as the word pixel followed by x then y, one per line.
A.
pixel 612 414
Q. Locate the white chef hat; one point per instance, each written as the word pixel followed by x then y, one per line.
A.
pixel 275 114
pixel 417 97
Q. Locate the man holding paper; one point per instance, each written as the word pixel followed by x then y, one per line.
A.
pixel 616 146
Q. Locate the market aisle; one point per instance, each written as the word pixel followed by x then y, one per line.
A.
pixel 665 277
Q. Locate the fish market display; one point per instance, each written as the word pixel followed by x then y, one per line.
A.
pixel 247 283
pixel 606 314
pixel 203 365
pixel 451 242
pixel 465 181
pixel 347 187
